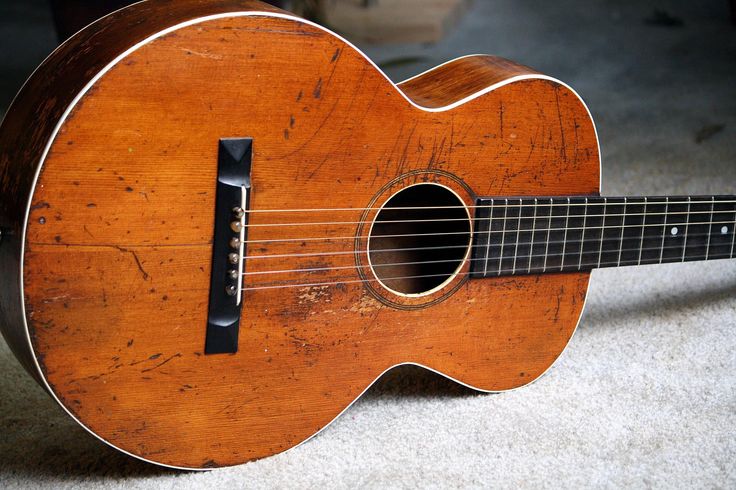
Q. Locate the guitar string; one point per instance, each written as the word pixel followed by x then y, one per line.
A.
pixel 546 243
pixel 522 198
pixel 603 228
pixel 329 223
pixel 334 283
pixel 493 259
pixel 317 254
pixel 517 218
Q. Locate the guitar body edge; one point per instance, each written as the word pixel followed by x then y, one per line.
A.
pixel 66 74
pixel 60 230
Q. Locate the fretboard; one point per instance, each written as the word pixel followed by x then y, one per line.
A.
pixel 566 234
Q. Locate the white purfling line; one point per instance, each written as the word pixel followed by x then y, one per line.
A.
pixel 200 20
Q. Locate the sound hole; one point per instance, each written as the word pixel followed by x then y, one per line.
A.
pixel 419 239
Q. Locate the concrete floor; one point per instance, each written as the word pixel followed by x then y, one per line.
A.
pixel 646 394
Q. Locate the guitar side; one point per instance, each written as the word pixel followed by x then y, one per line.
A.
pixel 118 239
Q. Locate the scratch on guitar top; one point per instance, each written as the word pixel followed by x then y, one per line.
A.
pixel 437 150
pixel 40 205
pixel 318 128
pixel 500 119
pixel 336 55
pixel 203 55
pixel 137 260
pixel 563 148
pixel 559 301
pixel 178 354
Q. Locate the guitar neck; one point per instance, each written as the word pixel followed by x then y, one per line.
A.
pixel 565 234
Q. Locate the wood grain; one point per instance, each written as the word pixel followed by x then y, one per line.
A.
pixel 461 78
pixel 118 243
pixel 33 116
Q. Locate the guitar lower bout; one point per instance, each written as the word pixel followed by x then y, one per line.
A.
pixel 361 209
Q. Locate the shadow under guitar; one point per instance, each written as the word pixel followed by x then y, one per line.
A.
pixel 38 437
pixel 679 301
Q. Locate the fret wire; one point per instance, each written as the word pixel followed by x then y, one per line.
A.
pixel 564 242
pixel 643 227
pixel 621 244
pixel 518 232
pixel 549 228
pixel 488 241
pixel 603 228
pixel 582 238
pixel 664 228
pixel 710 229
pixel 733 232
pixel 687 225
pixel 534 227
pixel 503 235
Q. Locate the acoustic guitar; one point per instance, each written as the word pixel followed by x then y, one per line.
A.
pixel 221 223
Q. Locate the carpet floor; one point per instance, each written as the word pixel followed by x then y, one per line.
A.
pixel 644 396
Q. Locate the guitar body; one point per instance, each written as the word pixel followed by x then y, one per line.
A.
pixel 108 220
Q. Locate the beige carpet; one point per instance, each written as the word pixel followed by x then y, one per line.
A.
pixel 645 396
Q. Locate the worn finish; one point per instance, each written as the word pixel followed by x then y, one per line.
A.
pixel 461 78
pixel 33 116
pixel 118 245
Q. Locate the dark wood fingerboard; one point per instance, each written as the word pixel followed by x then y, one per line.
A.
pixel 526 235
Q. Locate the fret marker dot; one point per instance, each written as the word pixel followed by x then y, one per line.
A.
pixel 674 230
pixel 724 230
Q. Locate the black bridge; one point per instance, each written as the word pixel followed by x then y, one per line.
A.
pixel 232 203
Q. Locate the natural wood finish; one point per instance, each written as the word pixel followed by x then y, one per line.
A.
pixel 118 243
pixel 33 115
pixel 461 78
